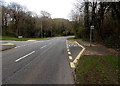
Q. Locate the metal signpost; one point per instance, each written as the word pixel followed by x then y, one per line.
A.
pixel 41 30
pixel 91 28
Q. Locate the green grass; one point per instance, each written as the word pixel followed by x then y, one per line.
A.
pixel 17 39
pixel 97 70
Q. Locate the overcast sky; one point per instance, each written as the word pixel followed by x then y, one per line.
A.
pixel 57 8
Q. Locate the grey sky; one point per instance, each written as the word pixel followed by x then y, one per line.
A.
pixel 57 8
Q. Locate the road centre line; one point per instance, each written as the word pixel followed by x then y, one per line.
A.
pixel 24 56
pixel 43 46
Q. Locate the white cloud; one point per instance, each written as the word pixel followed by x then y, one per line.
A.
pixel 57 8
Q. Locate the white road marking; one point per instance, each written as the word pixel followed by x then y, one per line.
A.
pixel 68 50
pixel 70 57
pixel 38 41
pixel 7 44
pixel 69 53
pixel 67 47
pixel 24 56
pixel 72 65
pixel 17 46
pixel 31 40
pixel 28 44
pixel 43 46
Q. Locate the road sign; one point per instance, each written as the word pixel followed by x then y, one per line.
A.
pixel 92 27
pixel 20 36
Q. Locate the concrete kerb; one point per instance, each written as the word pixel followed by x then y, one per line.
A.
pixel 6 46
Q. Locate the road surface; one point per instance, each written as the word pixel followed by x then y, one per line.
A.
pixel 37 62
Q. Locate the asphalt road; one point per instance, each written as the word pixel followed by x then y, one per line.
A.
pixel 37 62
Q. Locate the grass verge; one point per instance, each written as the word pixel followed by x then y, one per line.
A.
pixel 97 70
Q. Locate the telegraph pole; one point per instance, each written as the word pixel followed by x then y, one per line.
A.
pixel 51 32
pixel 41 30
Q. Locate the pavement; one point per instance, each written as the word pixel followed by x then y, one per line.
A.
pixel 97 49
pixel 6 45
pixel 44 61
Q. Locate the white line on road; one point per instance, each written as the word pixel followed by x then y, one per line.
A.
pixel 43 46
pixel 38 41
pixel 17 47
pixel 28 44
pixel 24 56
pixel 69 52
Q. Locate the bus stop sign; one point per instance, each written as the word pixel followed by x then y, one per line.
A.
pixel 92 27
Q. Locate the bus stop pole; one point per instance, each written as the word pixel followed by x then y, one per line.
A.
pixel 90 37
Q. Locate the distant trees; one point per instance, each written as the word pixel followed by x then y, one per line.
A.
pixel 17 20
pixel 62 27
pixel 45 14
pixel 105 16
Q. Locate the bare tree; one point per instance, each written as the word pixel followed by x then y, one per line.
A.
pixel 45 14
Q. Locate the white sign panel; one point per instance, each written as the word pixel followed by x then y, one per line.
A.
pixel 92 27
pixel 20 36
